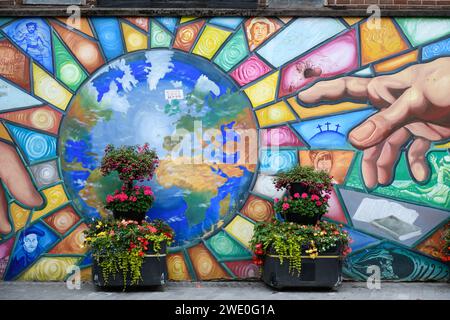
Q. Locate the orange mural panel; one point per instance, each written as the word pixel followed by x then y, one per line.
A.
pixel 43 118
pixel 176 267
pixel 14 65
pixel 186 35
pixel 73 243
pixel 139 22
pixel 205 266
pixel 335 162
pixel 397 62
pixel 83 25
pixel 258 209
pixel 259 30
pixel 378 43
pixel 86 51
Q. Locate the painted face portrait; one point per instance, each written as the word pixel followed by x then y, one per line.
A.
pixel 322 160
pixel 258 30
pixel 30 242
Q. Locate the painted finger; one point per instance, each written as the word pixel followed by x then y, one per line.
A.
pixel 384 123
pixel 390 154
pixel 347 87
pixel 417 160
pixel 16 177
pixel 369 166
pixel 5 226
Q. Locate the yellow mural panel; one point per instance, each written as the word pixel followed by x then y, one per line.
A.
pixel 352 20
pixel 49 89
pixel 241 229
pixel 134 40
pixel 443 146
pixel 176 267
pixel 49 269
pixel 4 134
pixel 378 43
pixel 397 62
pixel 274 114
pixel 210 41
pixel 187 19
pixel 263 91
pixel 19 216
pixel 325 109
pixel 56 197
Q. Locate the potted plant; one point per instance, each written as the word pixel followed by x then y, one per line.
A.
pixel 127 253
pixel 132 163
pixel 302 208
pixel 294 255
pixel 305 179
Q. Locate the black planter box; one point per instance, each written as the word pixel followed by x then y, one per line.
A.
pixel 299 219
pixel 153 273
pixel 325 271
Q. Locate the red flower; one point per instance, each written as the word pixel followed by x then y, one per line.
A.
pixel 141 253
pixel 314 197
pixel 259 246
pixel 318 203
pixel 297 195
pixel 276 200
pixel 285 206
pixel 304 195
pixel 259 252
pixel 257 261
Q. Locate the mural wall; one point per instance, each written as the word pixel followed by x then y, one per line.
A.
pixel 228 103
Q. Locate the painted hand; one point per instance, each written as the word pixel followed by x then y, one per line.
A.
pixel 16 178
pixel 414 104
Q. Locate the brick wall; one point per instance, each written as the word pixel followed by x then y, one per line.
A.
pixel 401 4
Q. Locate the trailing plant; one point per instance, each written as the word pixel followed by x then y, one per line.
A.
pixel 120 246
pixel 303 205
pixel 291 241
pixel 316 182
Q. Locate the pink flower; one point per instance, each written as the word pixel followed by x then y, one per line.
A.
pixel 152 229
pixel 148 192
pixel 318 203
pixel 297 195
pixel 314 197
pixel 109 198
pixel 276 200
pixel 285 206
pixel 304 195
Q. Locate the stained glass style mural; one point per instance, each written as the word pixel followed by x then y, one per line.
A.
pixel 228 103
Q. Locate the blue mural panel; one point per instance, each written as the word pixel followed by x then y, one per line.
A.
pixel 227 22
pixel 31 244
pixel 437 49
pixel 298 37
pixel 169 22
pixel 33 36
pixel 331 132
pixel 110 36
pixel 273 162
pixel 36 146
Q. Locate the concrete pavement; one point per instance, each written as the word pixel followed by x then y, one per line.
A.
pixel 225 291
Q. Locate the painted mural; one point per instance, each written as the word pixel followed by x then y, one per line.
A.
pixel 369 106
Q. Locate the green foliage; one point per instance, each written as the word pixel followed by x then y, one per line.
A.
pixel 120 246
pixel 446 246
pixel 290 241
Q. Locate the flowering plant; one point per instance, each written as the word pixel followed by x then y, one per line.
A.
pixel 291 241
pixel 138 199
pixel 446 245
pixel 130 162
pixel 120 246
pixel 303 204
pixel 316 182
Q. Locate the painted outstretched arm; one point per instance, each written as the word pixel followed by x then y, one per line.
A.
pixel 16 178
pixel 414 104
